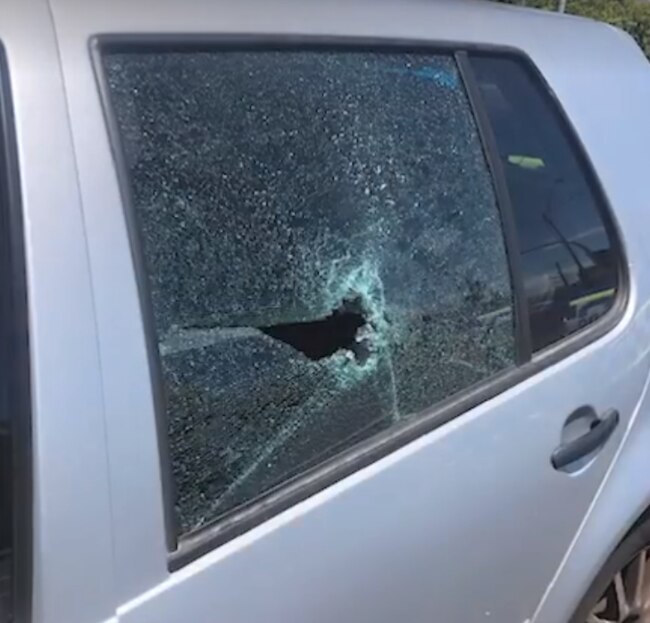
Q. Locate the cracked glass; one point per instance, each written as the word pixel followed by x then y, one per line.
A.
pixel 323 249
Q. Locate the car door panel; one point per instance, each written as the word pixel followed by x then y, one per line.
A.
pixel 448 526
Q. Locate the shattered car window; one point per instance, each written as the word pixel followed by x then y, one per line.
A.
pixel 324 253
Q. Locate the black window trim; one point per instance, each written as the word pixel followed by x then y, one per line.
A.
pixel 182 551
pixel 17 356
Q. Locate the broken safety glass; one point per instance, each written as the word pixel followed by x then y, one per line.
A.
pixel 324 253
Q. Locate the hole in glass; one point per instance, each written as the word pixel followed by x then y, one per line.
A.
pixel 322 338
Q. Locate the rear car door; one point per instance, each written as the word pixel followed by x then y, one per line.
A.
pixel 335 330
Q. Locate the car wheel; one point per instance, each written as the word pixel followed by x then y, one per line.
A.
pixel 621 591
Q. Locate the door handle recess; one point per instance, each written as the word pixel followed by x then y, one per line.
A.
pixel 574 450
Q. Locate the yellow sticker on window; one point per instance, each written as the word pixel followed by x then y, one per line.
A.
pixel 526 162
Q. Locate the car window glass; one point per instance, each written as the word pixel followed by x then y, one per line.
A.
pixel 6 518
pixel 569 264
pixel 323 251
pixel 10 387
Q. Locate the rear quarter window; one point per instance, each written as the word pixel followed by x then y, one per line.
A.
pixel 569 257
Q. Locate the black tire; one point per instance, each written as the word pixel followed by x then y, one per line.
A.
pixel 635 542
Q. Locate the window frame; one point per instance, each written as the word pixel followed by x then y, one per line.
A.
pixel 13 276
pixel 189 547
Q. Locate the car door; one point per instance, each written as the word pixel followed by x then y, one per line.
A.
pixel 335 328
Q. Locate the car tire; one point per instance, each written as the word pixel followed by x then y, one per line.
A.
pixel 621 591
